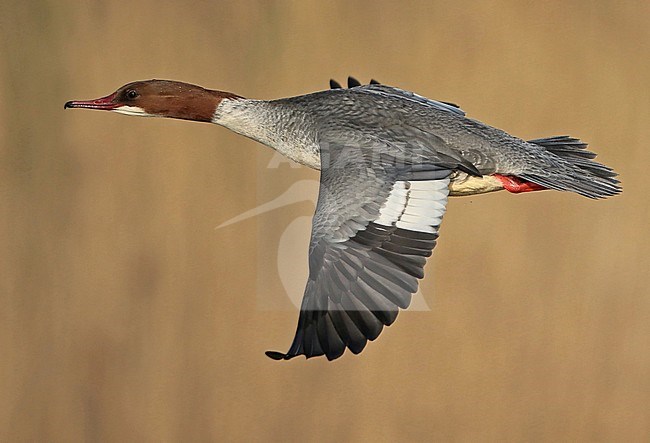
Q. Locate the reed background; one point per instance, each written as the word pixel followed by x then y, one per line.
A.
pixel 125 316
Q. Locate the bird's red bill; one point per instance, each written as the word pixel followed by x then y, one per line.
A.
pixel 105 103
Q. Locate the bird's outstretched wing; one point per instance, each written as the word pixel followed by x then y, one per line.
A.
pixel 375 224
pixel 375 87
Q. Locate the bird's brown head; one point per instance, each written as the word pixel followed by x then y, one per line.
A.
pixel 159 98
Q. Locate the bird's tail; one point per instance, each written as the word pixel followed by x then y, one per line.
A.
pixel 578 172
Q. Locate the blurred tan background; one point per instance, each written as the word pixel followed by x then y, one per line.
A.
pixel 126 316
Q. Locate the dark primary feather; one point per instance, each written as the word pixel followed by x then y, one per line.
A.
pixel 353 82
pixel 334 84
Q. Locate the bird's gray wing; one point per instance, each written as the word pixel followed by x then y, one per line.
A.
pixel 391 91
pixel 375 224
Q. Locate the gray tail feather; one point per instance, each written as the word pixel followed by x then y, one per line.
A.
pixel 582 174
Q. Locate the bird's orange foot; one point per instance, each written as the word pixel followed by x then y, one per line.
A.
pixel 517 185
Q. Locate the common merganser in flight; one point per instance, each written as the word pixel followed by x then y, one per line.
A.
pixel 389 159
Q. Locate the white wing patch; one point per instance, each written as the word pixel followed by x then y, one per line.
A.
pixel 393 209
pixel 415 205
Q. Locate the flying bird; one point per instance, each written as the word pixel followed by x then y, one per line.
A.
pixel 388 160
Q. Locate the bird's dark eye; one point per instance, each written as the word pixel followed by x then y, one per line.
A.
pixel 131 94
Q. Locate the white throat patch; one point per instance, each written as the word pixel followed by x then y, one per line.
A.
pixel 132 110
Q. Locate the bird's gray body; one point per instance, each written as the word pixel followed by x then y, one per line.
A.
pixel 411 129
pixel 388 160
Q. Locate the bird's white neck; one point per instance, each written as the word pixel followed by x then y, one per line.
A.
pixel 272 124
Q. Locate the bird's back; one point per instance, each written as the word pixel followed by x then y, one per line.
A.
pixel 414 129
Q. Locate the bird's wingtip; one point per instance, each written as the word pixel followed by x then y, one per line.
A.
pixel 275 355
